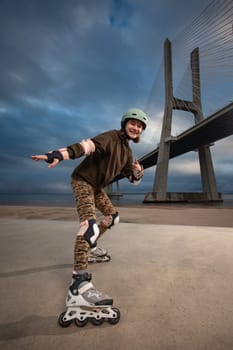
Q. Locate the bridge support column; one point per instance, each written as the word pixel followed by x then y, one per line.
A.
pixel 206 165
pixel 207 173
pixel 209 187
pixel 160 183
pixel 111 193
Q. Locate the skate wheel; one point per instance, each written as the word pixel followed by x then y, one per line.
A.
pixel 81 323
pixel 62 322
pixel 97 322
pixel 116 319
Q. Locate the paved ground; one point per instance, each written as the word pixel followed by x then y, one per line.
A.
pixel 141 214
pixel 173 285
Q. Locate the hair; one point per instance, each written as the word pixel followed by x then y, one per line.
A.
pixel 137 140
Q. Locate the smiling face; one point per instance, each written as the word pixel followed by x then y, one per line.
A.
pixel 133 128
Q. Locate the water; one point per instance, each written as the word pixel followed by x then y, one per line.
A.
pixel 66 200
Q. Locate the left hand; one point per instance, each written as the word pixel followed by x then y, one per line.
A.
pixel 137 169
pixel 136 166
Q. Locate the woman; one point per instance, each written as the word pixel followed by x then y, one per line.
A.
pixel 107 156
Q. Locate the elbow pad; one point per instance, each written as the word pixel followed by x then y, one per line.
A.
pixel 85 147
pixel 88 146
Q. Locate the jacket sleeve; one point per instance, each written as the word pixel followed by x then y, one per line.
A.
pixel 75 151
pixel 101 142
pixel 127 171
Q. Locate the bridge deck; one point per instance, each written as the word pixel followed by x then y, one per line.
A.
pixel 213 128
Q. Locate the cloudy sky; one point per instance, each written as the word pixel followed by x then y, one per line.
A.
pixel 69 70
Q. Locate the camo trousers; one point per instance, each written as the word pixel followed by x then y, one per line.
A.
pixel 87 201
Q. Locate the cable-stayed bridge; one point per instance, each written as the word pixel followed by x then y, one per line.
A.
pixel 202 54
pixel 209 130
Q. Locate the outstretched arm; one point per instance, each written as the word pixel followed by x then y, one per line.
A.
pixel 53 157
pixel 85 147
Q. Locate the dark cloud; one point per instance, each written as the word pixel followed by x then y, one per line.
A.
pixel 69 69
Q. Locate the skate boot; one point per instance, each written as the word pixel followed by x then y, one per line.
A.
pixel 85 303
pixel 98 255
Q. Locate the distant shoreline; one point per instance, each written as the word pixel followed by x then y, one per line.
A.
pixel 159 215
pixel 127 199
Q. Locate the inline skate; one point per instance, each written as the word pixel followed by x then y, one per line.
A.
pixel 84 303
pixel 98 255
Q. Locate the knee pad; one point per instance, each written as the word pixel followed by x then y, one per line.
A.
pixel 111 220
pixel 89 230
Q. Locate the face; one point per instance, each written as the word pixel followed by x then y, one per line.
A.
pixel 133 128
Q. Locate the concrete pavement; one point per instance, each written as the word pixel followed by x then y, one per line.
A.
pixel 172 284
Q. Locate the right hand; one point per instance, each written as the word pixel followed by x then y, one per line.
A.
pixel 37 158
pixel 63 151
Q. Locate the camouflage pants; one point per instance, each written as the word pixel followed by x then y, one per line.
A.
pixel 87 201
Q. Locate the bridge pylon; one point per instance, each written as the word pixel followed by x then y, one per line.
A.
pixel 111 193
pixel 209 187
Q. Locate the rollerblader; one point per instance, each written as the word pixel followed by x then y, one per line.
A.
pixel 106 156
